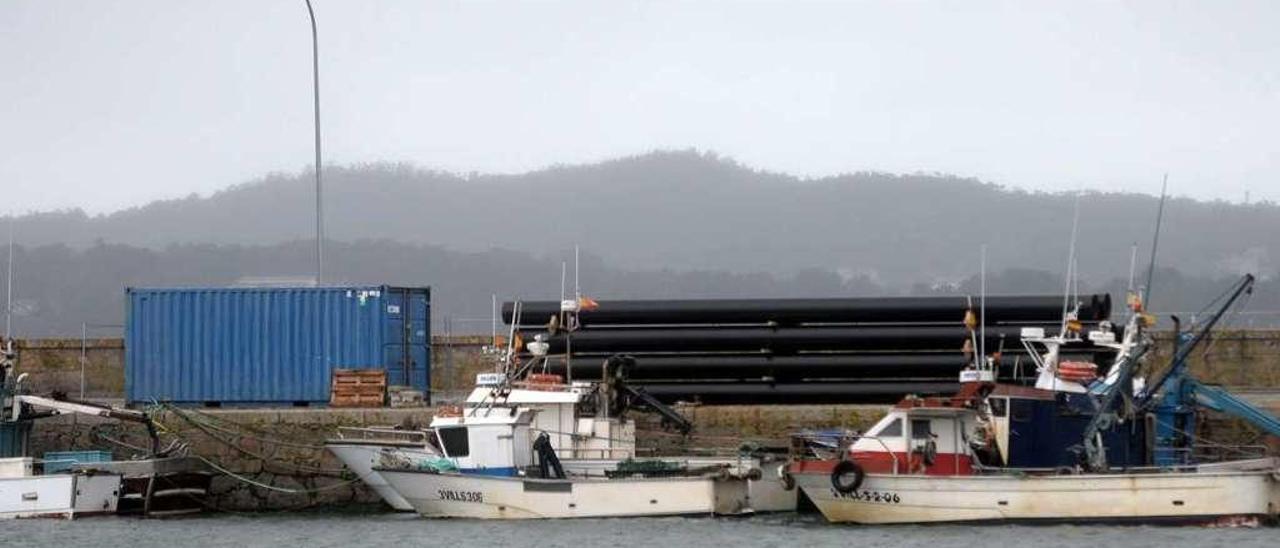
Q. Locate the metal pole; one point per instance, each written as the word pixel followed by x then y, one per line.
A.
pixel 1155 243
pixel 448 356
pixel 982 304
pixel 84 353
pixel 8 301
pixel 315 72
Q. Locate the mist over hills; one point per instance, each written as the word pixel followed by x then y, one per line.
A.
pixel 57 287
pixel 688 210
pixel 665 224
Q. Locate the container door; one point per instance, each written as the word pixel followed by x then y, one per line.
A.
pixel 406 354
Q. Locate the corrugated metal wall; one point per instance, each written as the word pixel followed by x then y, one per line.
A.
pixel 270 345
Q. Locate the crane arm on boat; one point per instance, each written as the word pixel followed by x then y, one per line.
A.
pixel 1178 365
pixel 637 397
pixel 58 406
pixel 1220 400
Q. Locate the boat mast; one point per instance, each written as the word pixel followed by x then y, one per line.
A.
pixel 8 301
pixel 1071 263
pixel 1155 242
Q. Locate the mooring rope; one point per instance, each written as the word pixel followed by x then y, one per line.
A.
pixel 269 487
pixel 212 422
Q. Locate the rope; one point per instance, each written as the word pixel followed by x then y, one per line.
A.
pixel 268 487
pixel 260 457
pixel 1229 317
pixel 1206 441
pixel 211 422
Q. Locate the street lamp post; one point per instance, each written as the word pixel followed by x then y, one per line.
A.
pixel 315 72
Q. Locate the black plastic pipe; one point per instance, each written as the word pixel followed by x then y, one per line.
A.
pixel 777 340
pixel 699 368
pixel 793 394
pixel 999 309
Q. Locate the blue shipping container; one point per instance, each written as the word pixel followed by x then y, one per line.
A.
pixel 271 345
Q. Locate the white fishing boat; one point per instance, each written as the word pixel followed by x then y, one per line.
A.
pixel 1075 447
pixel 582 425
pixel 588 441
pixel 361 449
pixel 26 494
pixel 494 467
pixel 158 485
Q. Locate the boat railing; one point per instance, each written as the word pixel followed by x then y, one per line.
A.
pixel 604 453
pixel 892 455
pixel 381 433
pixel 1221 452
pixel 1245 464
pixel 845 443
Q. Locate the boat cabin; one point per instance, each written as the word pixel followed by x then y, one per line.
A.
pixel 1008 427
pixel 915 438
pixel 566 412
pixel 498 444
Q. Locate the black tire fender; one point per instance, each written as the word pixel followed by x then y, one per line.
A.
pixel 784 475
pixel 930 453
pixel 843 468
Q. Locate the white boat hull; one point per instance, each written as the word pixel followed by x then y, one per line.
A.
pixel 59 495
pixel 1166 496
pixel 454 495
pixel 361 458
pixel 767 494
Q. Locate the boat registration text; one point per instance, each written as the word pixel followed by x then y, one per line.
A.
pixel 460 496
pixel 868 496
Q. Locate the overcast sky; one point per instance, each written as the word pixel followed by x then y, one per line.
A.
pixel 107 105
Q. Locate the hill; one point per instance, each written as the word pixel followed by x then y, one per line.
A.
pixel 693 211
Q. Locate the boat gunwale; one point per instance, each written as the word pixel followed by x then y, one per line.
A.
pixel 589 479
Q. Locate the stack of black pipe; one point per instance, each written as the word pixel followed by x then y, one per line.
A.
pixel 795 351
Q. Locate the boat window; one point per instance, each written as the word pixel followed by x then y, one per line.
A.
pixel 455 441
pixel 920 429
pixel 999 407
pixel 891 430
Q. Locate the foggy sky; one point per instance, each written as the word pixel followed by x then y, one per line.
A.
pixel 111 104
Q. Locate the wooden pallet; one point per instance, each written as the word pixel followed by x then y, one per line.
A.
pixel 358 388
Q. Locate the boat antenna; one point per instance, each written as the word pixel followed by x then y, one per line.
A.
pixel 982 307
pixel 577 290
pixel 1071 265
pixel 1133 263
pixel 493 319
pixel 564 321
pixel 1155 243
pixel 8 301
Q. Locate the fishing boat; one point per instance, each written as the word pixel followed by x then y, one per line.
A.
pixel 1075 447
pixel 492 442
pixel 584 424
pixel 26 493
pixel 494 466
pixel 25 490
pixel 156 485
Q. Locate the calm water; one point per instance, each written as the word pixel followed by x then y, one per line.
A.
pixel 359 530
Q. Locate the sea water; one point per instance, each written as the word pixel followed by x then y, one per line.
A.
pixel 347 530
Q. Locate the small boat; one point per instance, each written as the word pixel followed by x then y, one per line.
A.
pixel 155 486
pixel 27 494
pixel 493 467
pixel 1073 448
pixel 585 426
pixel 361 449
